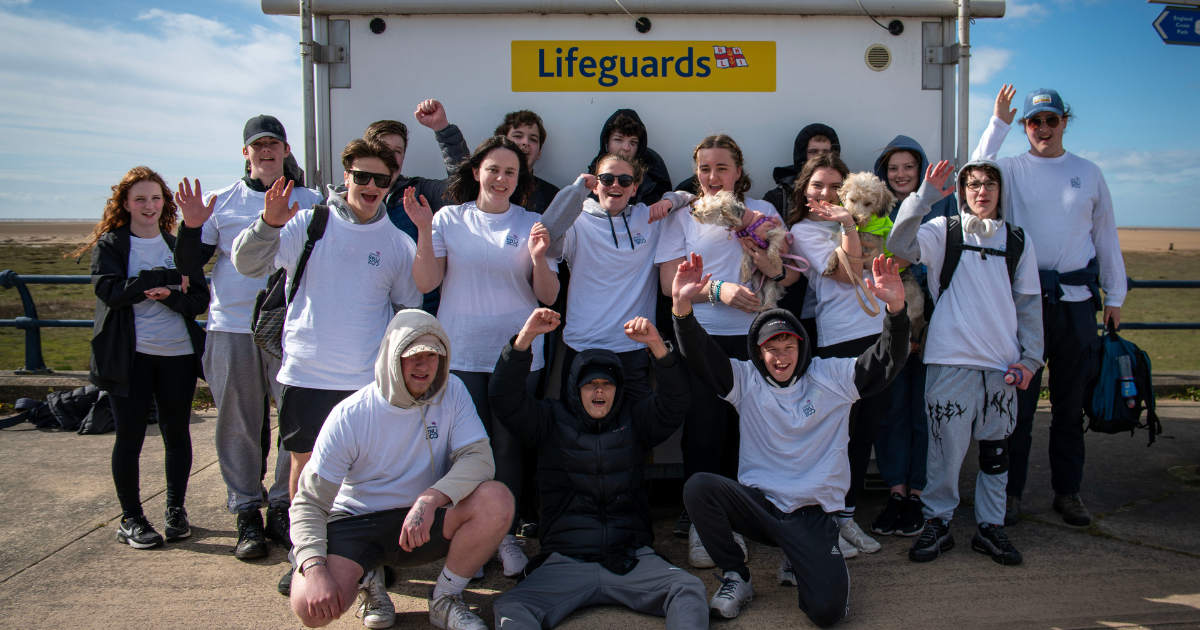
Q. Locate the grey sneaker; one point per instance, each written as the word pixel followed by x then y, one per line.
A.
pixel 1071 507
pixel 731 596
pixel 854 535
pixel 1012 511
pixel 450 612
pixel 375 606
pixel 787 577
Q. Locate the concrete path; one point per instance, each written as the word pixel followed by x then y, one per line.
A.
pixel 1137 566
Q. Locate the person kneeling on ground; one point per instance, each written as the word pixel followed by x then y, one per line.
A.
pixel 986 326
pixel 386 462
pixel 792 471
pixel 595 530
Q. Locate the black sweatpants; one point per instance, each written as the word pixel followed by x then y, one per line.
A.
pixel 634 363
pixel 865 416
pixel 711 436
pixel 1068 328
pixel 808 537
pixel 170 382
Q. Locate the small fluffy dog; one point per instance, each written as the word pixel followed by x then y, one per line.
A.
pixel 866 197
pixel 725 210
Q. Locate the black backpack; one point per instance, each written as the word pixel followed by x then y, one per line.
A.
pixel 1104 404
pixel 1014 248
pixel 270 307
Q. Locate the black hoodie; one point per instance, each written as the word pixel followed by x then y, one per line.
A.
pixel 785 176
pixel 656 181
pixel 594 500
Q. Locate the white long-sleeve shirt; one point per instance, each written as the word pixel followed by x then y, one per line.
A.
pixel 1064 207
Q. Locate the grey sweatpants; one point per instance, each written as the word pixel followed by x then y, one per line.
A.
pixel 562 585
pixel 241 376
pixel 964 403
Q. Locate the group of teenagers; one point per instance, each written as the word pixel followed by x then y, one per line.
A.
pixel 424 316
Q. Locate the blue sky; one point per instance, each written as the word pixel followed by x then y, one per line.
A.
pixel 169 84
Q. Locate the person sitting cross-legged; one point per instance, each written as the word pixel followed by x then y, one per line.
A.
pixel 387 462
pixel 595 531
pixel 793 472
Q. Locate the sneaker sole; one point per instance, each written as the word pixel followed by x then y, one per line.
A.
pixel 708 564
pixel 998 559
pixel 177 536
pixel 716 612
pixel 882 532
pixel 252 554
pixel 900 532
pixel 380 624
pixel 122 538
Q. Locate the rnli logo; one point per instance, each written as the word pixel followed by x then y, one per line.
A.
pixel 809 409
pixel 1075 183
pixel 169 262
pixel 639 239
pixel 431 431
pixel 373 259
pixel 511 240
pixel 729 57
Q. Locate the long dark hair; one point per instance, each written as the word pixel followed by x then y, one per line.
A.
pixel 116 215
pixel 463 187
pixel 799 200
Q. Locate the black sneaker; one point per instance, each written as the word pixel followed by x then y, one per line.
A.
pixel 528 530
pixel 285 583
pixel 1012 511
pixel 935 539
pixel 138 532
pixel 993 541
pixel 177 524
pixel 912 519
pixel 683 525
pixel 279 525
pixel 885 523
pixel 1071 507
pixel 252 542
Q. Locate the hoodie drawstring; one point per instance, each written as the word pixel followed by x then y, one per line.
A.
pixel 612 228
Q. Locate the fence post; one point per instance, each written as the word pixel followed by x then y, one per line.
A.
pixel 34 363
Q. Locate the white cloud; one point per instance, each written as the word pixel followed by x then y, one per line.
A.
pixel 14 3
pixel 1148 168
pixel 1018 10
pixel 987 62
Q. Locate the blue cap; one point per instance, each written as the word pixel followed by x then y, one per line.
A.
pixel 1043 100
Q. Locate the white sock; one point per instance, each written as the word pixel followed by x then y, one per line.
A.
pixel 449 583
pixel 845 516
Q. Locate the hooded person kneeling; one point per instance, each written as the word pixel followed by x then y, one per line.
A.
pixel 595 531
pixel 400 476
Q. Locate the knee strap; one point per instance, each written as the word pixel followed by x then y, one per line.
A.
pixel 993 456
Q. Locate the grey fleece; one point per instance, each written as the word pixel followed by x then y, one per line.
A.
pixel 573 199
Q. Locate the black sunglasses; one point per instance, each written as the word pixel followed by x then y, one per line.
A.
pixel 608 178
pixel 1036 122
pixel 362 177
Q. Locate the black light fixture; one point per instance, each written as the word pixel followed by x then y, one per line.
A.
pixel 895 27
pixel 378 26
pixel 642 24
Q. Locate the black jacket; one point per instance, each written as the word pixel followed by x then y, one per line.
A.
pixel 656 181
pixel 785 176
pixel 113 336
pixel 594 500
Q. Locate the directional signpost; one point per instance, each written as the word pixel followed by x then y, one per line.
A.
pixel 1179 25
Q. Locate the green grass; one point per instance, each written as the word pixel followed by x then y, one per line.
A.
pixel 67 348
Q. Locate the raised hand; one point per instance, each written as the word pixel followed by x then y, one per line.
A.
pixel 191 206
pixel 690 280
pixel 418 211
pixel 539 241
pixel 1003 102
pixel 641 330
pixel 431 114
pixel 540 322
pixel 937 175
pixel 589 181
pixel 887 285
pixel 659 210
pixel 276 212
pixel 829 212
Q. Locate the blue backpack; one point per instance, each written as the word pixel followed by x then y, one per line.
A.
pixel 1109 406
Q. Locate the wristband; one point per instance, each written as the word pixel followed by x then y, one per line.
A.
pixel 677 315
pixel 847 230
pixel 720 284
pixel 781 277
pixel 310 564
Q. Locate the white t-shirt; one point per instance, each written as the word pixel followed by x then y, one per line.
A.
pixel 385 456
pixel 975 322
pixel 233 294
pixel 839 316
pixel 794 438
pixel 722 254
pixel 487 292
pixel 344 302
pixel 159 330
pixel 1064 206
pixel 610 282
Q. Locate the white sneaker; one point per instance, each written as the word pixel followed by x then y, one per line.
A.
pixel 847 549
pixel 375 606
pixel 853 534
pixel 511 556
pixel 787 577
pixel 450 612
pixel 698 556
pixel 731 596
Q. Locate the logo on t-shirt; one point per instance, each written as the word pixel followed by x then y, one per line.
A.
pixel 639 239
pixel 431 431
pixel 373 259
pixel 511 240
pixel 1075 183
pixel 809 409
pixel 169 262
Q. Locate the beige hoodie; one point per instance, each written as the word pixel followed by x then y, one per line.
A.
pixel 471 465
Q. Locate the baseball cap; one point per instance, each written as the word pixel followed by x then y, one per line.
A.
pixel 425 343
pixel 262 126
pixel 1043 100
pixel 593 371
pixel 774 328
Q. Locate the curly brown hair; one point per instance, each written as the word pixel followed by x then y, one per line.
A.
pixel 522 118
pixel 463 187
pixel 116 215
pixel 799 209
pixel 722 141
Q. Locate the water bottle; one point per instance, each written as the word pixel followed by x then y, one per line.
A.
pixel 1125 378
pixel 1012 376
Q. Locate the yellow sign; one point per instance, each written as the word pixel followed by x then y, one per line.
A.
pixel 643 66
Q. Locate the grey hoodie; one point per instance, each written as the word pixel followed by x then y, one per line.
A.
pixel 573 199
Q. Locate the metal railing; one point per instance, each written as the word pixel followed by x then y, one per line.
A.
pixel 32 325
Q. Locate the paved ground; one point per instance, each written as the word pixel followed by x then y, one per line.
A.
pixel 1137 566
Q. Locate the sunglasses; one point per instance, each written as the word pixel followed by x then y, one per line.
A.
pixel 362 177
pixel 608 178
pixel 975 185
pixel 1036 122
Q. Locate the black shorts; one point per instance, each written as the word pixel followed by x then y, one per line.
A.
pixel 373 540
pixel 302 412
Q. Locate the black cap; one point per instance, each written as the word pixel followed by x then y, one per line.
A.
pixel 263 126
pixel 593 371
pixel 774 328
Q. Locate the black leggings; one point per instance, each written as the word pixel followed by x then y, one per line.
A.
pixel 711 437
pixel 506 449
pixel 171 383
pixel 865 416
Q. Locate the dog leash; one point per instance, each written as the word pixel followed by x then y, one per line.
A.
pixel 749 231
pixel 860 287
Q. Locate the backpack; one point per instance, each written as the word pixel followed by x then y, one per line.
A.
pixel 270 307
pixel 1104 404
pixel 1014 248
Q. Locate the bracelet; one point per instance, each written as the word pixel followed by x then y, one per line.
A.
pixel 712 288
pixel 781 277
pixel 310 564
pixel 677 315
pixel 847 230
